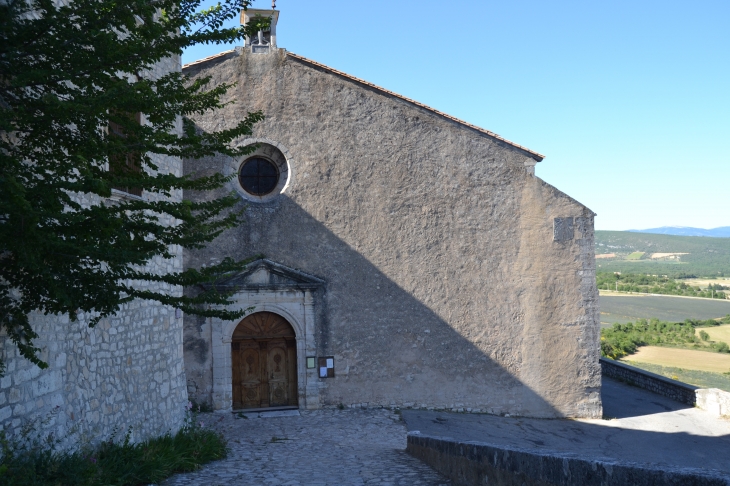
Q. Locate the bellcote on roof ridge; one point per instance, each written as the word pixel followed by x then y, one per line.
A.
pixel 266 39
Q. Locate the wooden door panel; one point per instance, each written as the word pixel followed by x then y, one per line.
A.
pixel 250 370
pixel 250 373
pixel 264 376
pixel 264 373
pixel 278 371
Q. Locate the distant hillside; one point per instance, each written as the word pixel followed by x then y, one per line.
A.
pixel 656 254
pixel 722 232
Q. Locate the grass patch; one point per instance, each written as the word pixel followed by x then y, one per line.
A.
pixel 635 255
pixel 32 461
pixel 703 379
pixel 688 359
pixel 719 333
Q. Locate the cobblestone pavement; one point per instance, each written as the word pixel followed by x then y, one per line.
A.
pixel 322 447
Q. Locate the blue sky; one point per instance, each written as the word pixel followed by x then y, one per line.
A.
pixel 628 101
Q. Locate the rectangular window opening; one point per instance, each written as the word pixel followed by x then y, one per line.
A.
pixel 129 163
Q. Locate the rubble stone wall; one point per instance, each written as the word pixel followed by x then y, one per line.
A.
pixel 125 372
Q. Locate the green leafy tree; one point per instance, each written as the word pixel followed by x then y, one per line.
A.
pixel 79 116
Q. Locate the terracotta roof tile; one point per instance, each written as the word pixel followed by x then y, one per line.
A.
pixel 209 58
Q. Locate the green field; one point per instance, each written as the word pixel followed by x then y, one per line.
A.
pixel 689 359
pixel 628 308
pixel 635 255
pixel 719 333
pixel 703 379
pixel 705 256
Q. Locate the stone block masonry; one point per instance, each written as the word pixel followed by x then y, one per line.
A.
pixel 713 400
pixel 676 390
pixel 470 463
pixel 126 372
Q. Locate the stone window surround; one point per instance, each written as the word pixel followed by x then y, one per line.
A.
pixel 297 307
pixel 285 165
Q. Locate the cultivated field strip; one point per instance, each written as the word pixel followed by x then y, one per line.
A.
pixel 720 333
pixel 682 358
pixel 629 308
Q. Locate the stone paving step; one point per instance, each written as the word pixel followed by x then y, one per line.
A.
pixel 271 414
pixel 323 447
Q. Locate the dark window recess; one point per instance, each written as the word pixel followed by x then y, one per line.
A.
pixel 258 176
pixel 129 163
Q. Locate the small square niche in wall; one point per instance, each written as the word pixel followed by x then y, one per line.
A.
pixel 562 229
pixel 310 362
pixel 326 366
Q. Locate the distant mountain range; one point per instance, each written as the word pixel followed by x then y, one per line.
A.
pixel 722 232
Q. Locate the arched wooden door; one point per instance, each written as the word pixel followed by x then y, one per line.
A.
pixel 264 358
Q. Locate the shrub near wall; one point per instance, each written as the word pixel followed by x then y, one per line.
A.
pixel 34 460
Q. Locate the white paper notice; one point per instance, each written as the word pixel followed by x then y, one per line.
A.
pixel 330 363
pixel 323 372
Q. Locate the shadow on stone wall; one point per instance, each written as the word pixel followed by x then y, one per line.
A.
pixel 391 347
pixel 660 442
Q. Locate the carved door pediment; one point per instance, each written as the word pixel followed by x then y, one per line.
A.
pixel 266 274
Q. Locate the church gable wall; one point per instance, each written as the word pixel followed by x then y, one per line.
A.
pixel 445 285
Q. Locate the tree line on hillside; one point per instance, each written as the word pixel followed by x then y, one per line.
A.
pixel 708 257
pixel 656 284
pixel 625 339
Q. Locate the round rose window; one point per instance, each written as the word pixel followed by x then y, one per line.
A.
pixel 258 176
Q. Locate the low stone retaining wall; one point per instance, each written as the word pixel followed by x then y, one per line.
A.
pixel 676 390
pixel 473 463
pixel 712 400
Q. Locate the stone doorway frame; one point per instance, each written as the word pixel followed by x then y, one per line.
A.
pixel 291 296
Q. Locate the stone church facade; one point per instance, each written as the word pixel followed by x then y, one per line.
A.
pixel 404 257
